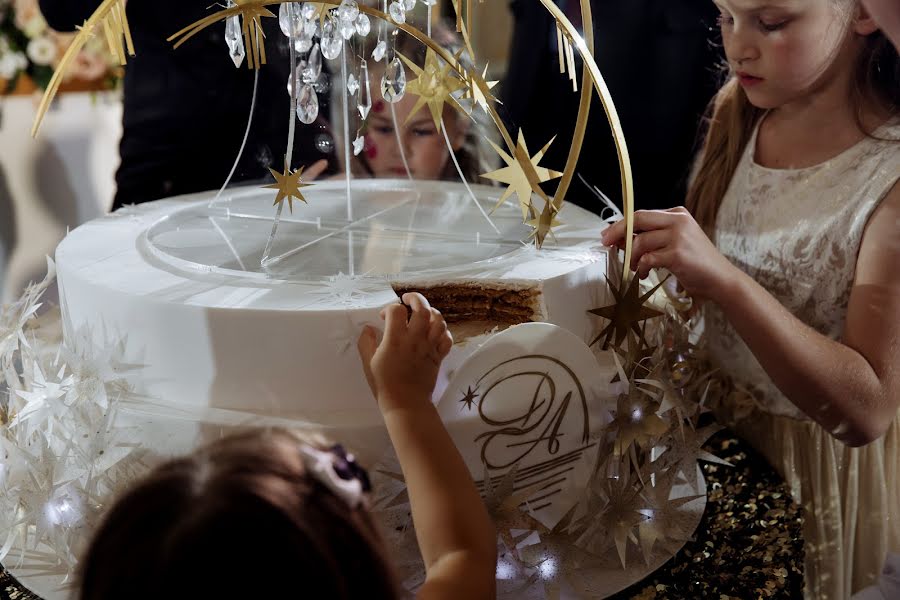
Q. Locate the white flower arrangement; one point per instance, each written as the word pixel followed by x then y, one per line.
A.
pixel 28 47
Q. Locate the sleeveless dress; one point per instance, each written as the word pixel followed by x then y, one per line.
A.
pixel 798 232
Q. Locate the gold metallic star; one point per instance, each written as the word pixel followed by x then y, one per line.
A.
pixel 663 516
pixel 522 174
pixel 508 507
pixel 434 85
pixel 636 421
pixel 475 94
pixel 626 314
pixel 544 224
pixel 288 185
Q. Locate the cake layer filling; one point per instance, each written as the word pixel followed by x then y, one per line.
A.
pixel 481 301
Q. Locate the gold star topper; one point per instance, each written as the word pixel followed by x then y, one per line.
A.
pixel 544 224
pixel 434 85
pixel 626 314
pixel 288 185
pixel 521 174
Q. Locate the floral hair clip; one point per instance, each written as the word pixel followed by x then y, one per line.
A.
pixel 338 470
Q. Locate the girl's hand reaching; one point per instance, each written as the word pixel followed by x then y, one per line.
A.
pixel 403 368
pixel 455 534
pixel 672 239
pixel 312 172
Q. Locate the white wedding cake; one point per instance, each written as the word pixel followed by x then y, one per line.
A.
pixel 216 338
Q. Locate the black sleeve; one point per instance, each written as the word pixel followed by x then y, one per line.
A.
pixel 65 15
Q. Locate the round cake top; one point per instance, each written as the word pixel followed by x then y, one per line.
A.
pixel 198 251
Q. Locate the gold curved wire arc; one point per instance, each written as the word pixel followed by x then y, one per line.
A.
pixel 591 71
pixel 611 114
pixel 111 14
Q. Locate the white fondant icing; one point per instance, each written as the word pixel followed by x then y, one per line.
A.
pixel 180 280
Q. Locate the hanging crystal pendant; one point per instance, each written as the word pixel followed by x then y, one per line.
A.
pixel 397 13
pixel 311 28
pixel 313 66
pixel 290 19
pixel 331 42
pixel 307 104
pixel 358 145
pixel 348 28
pixel 365 91
pixel 363 25
pixel 297 79
pixel 322 84
pixel 303 44
pixel 348 10
pixel 308 11
pixel 234 38
pixel 409 5
pixel 393 83
pixel 352 85
pixel 379 51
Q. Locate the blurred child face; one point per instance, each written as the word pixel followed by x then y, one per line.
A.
pixel 425 147
pixel 784 50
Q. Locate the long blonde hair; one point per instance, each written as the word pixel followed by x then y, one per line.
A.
pixel 731 119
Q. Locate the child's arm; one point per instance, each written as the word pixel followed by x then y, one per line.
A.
pixel 852 388
pixel 455 534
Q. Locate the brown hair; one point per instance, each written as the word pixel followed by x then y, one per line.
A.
pixel 731 120
pixel 239 518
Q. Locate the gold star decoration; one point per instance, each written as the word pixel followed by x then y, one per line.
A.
pixel 682 455
pixel 637 421
pixel 508 507
pixel 110 16
pixel 522 174
pixel 252 12
pixel 615 522
pixel 434 85
pixel 626 314
pixel 469 398
pixel 663 516
pixel 288 185
pixel 474 92
pixel 543 225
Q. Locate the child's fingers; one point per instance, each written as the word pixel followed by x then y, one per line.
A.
pixel 316 169
pixel 613 234
pixel 367 345
pixel 394 322
pixel 438 326
pixel 444 345
pixel 421 313
pixel 648 242
pixel 644 220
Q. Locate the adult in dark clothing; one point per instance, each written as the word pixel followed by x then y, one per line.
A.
pixel 186 110
pixel 660 62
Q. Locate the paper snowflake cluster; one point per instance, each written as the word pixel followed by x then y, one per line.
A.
pixel 62 454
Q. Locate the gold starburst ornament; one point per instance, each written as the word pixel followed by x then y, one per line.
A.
pixel 288 185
